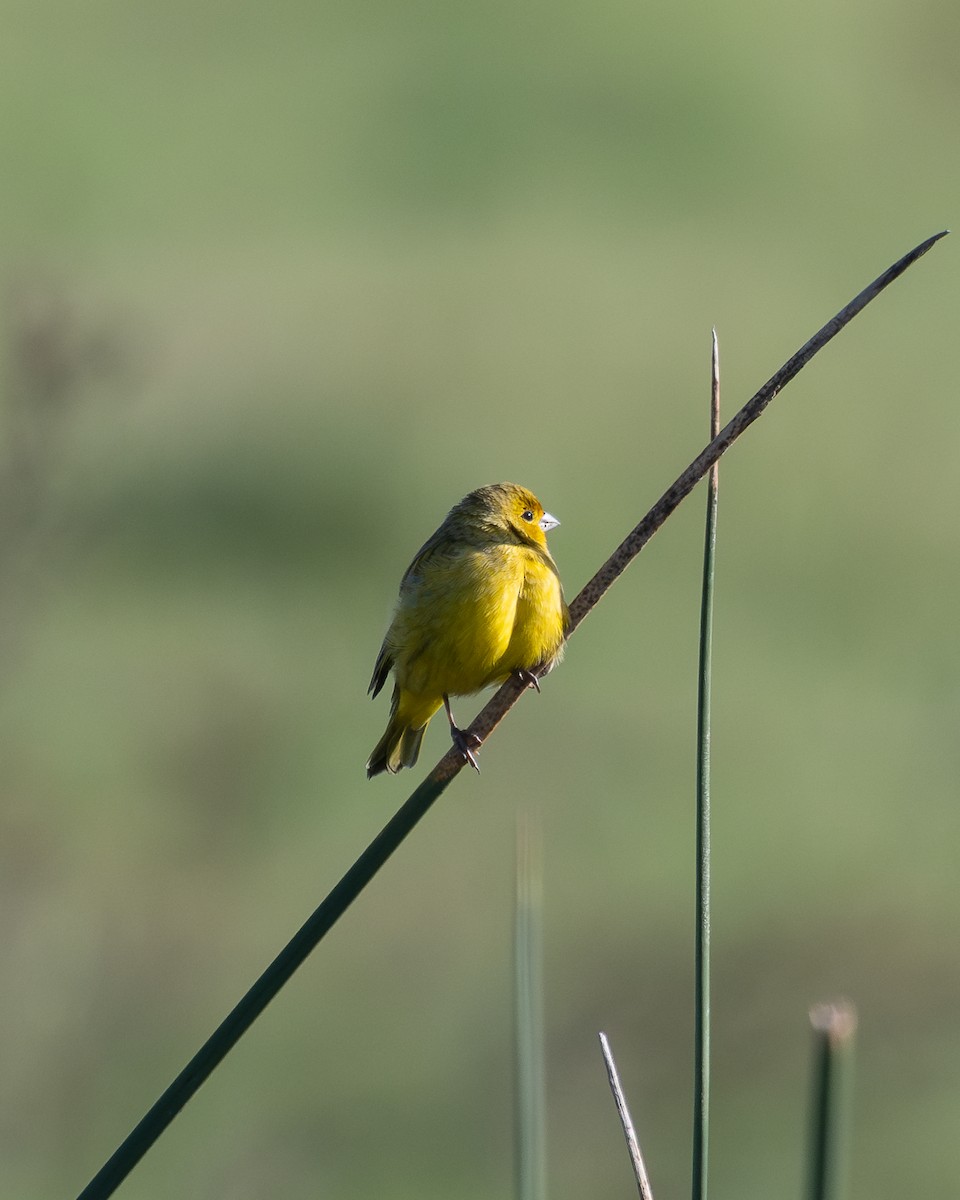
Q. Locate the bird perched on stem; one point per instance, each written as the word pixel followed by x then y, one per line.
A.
pixel 482 600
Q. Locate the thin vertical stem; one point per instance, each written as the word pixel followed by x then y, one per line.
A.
pixel 529 1107
pixel 701 1068
pixel 834 1026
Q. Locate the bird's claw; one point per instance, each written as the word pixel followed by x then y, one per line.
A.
pixel 466 743
pixel 529 679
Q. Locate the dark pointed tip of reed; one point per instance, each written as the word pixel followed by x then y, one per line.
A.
pixel 837 1021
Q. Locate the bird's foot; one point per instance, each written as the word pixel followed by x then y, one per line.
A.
pixel 529 679
pixel 466 743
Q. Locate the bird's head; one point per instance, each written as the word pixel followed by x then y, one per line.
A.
pixel 507 507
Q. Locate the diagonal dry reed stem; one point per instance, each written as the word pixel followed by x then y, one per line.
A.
pixel 342 895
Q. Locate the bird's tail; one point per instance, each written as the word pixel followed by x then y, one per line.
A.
pixel 400 745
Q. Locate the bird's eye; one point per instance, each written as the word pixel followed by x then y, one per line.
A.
pixel 527 514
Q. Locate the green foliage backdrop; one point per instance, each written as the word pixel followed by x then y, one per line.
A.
pixel 280 284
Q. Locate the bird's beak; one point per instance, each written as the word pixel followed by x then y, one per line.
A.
pixel 547 522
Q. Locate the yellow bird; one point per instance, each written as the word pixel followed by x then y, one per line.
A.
pixel 481 600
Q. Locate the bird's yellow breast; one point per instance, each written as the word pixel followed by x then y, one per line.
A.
pixel 468 619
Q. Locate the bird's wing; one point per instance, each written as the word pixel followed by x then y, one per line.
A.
pixel 439 542
pixel 380 671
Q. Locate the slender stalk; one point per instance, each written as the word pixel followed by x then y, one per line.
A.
pixel 530 1107
pixel 633 1145
pixel 834 1026
pixel 701 1043
pixel 232 1028
pixel 198 1070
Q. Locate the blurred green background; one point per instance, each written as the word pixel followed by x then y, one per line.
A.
pixel 280 284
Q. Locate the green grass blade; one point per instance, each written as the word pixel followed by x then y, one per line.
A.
pixel 701 1067
pixel 239 1020
pixel 834 1027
